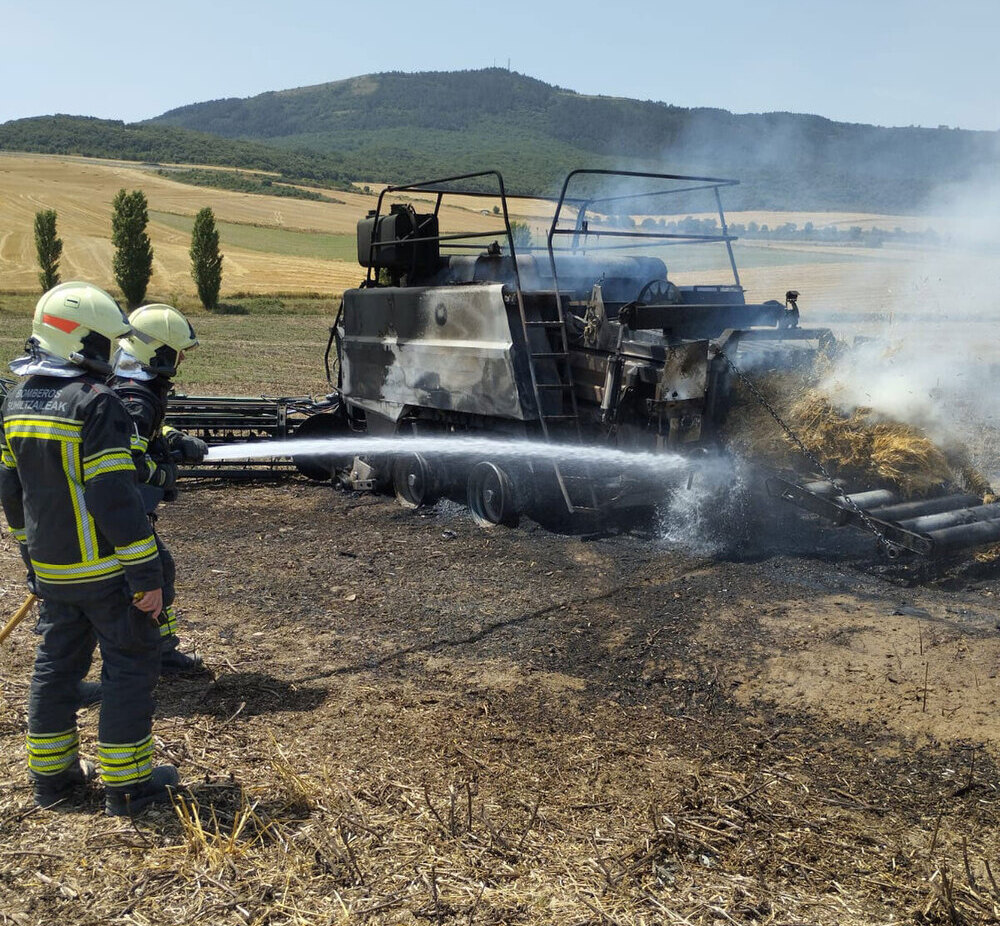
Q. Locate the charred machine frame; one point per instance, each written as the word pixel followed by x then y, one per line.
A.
pixel 577 342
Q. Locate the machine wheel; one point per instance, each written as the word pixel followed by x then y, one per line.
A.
pixel 316 466
pixel 491 496
pixel 415 481
pixel 659 292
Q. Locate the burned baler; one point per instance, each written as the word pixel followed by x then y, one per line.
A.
pixel 576 344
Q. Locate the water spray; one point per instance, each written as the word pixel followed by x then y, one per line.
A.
pixel 449 446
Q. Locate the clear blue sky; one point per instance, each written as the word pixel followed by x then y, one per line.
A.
pixel 889 62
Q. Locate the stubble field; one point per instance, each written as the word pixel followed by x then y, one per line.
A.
pixel 409 719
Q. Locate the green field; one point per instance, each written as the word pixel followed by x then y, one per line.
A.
pixel 693 257
pixel 257 355
pixel 270 239
pixel 274 349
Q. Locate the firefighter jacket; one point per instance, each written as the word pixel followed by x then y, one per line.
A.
pixel 68 488
pixel 146 403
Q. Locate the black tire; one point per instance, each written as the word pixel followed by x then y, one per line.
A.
pixel 416 482
pixel 491 496
pixel 319 467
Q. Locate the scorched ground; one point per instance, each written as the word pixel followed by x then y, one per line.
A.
pixel 413 720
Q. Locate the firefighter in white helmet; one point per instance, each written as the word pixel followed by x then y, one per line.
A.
pixel 145 364
pixel 68 489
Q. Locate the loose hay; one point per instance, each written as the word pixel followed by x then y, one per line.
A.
pixel 858 446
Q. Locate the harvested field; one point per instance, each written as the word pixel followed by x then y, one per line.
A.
pixel 413 720
pixel 274 245
pixel 81 190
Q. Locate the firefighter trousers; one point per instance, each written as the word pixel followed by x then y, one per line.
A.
pixel 130 653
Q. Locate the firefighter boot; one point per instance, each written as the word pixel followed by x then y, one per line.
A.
pixel 129 800
pixel 174 662
pixel 59 791
pixel 89 693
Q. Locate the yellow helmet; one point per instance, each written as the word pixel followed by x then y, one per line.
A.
pixel 78 322
pixel 159 334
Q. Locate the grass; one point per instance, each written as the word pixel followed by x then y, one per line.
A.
pixel 244 182
pixel 17 304
pixel 261 345
pixel 258 355
pixel 289 242
pixel 693 258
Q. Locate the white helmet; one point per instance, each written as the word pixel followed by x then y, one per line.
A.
pixel 78 322
pixel 159 334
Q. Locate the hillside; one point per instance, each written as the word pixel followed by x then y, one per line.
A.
pixel 398 126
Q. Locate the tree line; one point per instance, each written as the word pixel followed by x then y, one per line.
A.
pixel 132 263
pixel 872 237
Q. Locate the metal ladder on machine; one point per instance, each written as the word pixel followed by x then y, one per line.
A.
pixel 551 374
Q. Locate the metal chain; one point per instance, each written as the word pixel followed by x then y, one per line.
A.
pixel 795 439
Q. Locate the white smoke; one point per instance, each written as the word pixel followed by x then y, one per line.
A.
pixel 933 360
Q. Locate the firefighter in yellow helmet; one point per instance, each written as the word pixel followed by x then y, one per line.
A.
pixel 68 489
pixel 145 364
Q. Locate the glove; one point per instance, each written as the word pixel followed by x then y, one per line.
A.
pixel 161 475
pixel 192 449
pixel 31 583
pixel 164 476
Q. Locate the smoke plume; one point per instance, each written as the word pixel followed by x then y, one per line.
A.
pixel 933 359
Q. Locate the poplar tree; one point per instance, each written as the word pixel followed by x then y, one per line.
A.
pixel 49 248
pixel 133 260
pixel 206 261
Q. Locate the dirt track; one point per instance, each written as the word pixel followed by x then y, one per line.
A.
pixel 442 724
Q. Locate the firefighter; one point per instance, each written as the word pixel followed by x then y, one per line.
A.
pixel 145 364
pixel 68 489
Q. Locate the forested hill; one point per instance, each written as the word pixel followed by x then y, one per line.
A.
pixel 395 127
pixel 402 126
pixel 105 138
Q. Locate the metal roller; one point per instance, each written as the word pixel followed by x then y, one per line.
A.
pixel 872 499
pixel 924 506
pixel 823 488
pixel 935 522
pixel 831 490
pixel 949 539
